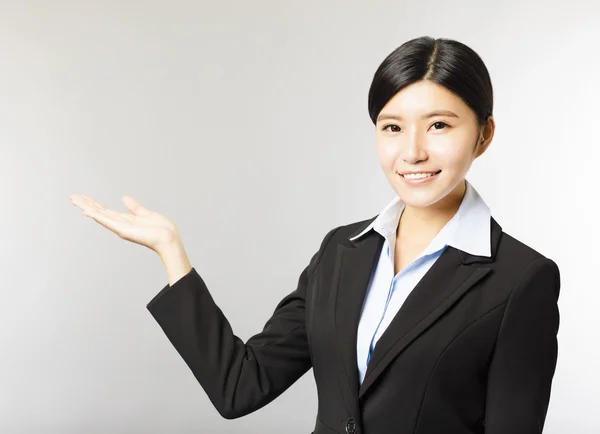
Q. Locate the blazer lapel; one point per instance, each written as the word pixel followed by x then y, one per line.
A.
pixel 444 283
pixel 450 277
pixel 352 272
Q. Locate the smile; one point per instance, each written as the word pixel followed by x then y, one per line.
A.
pixel 419 178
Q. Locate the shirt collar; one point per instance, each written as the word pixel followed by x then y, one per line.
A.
pixel 468 230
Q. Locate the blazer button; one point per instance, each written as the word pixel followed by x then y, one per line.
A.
pixel 351 426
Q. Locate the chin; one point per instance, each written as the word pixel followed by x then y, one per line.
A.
pixel 422 196
pixel 421 202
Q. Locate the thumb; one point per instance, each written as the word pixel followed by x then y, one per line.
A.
pixel 134 206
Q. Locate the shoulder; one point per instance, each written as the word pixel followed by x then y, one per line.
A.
pixel 515 253
pixel 520 262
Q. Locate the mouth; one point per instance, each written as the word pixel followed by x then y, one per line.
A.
pixel 419 178
pixel 419 175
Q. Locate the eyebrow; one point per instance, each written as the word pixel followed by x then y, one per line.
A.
pixel 425 116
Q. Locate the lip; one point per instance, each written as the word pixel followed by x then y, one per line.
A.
pixel 418 181
pixel 418 171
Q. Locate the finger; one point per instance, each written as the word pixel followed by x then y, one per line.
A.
pixel 104 219
pixel 122 217
pixel 87 204
pixel 79 201
pixel 134 206
pixel 109 212
pixel 75 200
pixel 92 202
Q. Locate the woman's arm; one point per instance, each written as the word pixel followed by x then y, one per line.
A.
pixel 524 361
pixel 238 377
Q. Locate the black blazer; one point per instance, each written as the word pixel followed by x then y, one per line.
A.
pixel 472 350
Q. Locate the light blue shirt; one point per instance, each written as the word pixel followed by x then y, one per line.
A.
pixel 468 230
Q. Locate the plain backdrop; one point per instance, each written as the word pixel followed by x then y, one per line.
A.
pixel 246 123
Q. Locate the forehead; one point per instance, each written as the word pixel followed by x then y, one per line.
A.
pixel 424 96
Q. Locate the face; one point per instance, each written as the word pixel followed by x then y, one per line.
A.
pixel 427 128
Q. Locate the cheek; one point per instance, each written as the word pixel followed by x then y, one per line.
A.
pixel 386 153
pixel 451 155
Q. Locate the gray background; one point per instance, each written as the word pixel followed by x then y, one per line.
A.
pixel 246 123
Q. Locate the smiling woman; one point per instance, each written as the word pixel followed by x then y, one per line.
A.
pixel 424 319
pixel 432 102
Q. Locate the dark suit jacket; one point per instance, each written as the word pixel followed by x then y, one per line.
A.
pixel 472 350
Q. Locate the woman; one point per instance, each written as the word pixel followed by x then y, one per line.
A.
pixel 424 319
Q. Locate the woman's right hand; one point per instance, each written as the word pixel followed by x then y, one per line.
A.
pixel 142 226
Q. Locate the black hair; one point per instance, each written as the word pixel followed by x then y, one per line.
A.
pixel 446 62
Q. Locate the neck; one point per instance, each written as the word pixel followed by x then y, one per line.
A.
pixel 425 223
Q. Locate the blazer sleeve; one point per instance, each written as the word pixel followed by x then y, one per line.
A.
pixel 524 360
pixel 237 377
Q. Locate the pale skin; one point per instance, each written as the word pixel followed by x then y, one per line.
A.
pixel 445 142
pixel 409 139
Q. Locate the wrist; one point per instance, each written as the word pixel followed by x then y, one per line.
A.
pixel 175 260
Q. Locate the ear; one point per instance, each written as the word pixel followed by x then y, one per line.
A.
pixel 486 134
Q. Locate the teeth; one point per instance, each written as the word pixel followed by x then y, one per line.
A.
pixel 418 175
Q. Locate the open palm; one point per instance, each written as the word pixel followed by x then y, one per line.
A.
pixel 142 226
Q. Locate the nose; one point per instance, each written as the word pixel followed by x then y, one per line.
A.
pixel 413 148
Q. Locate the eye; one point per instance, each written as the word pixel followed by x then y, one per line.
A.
pixel 440 123
pixel 391 125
